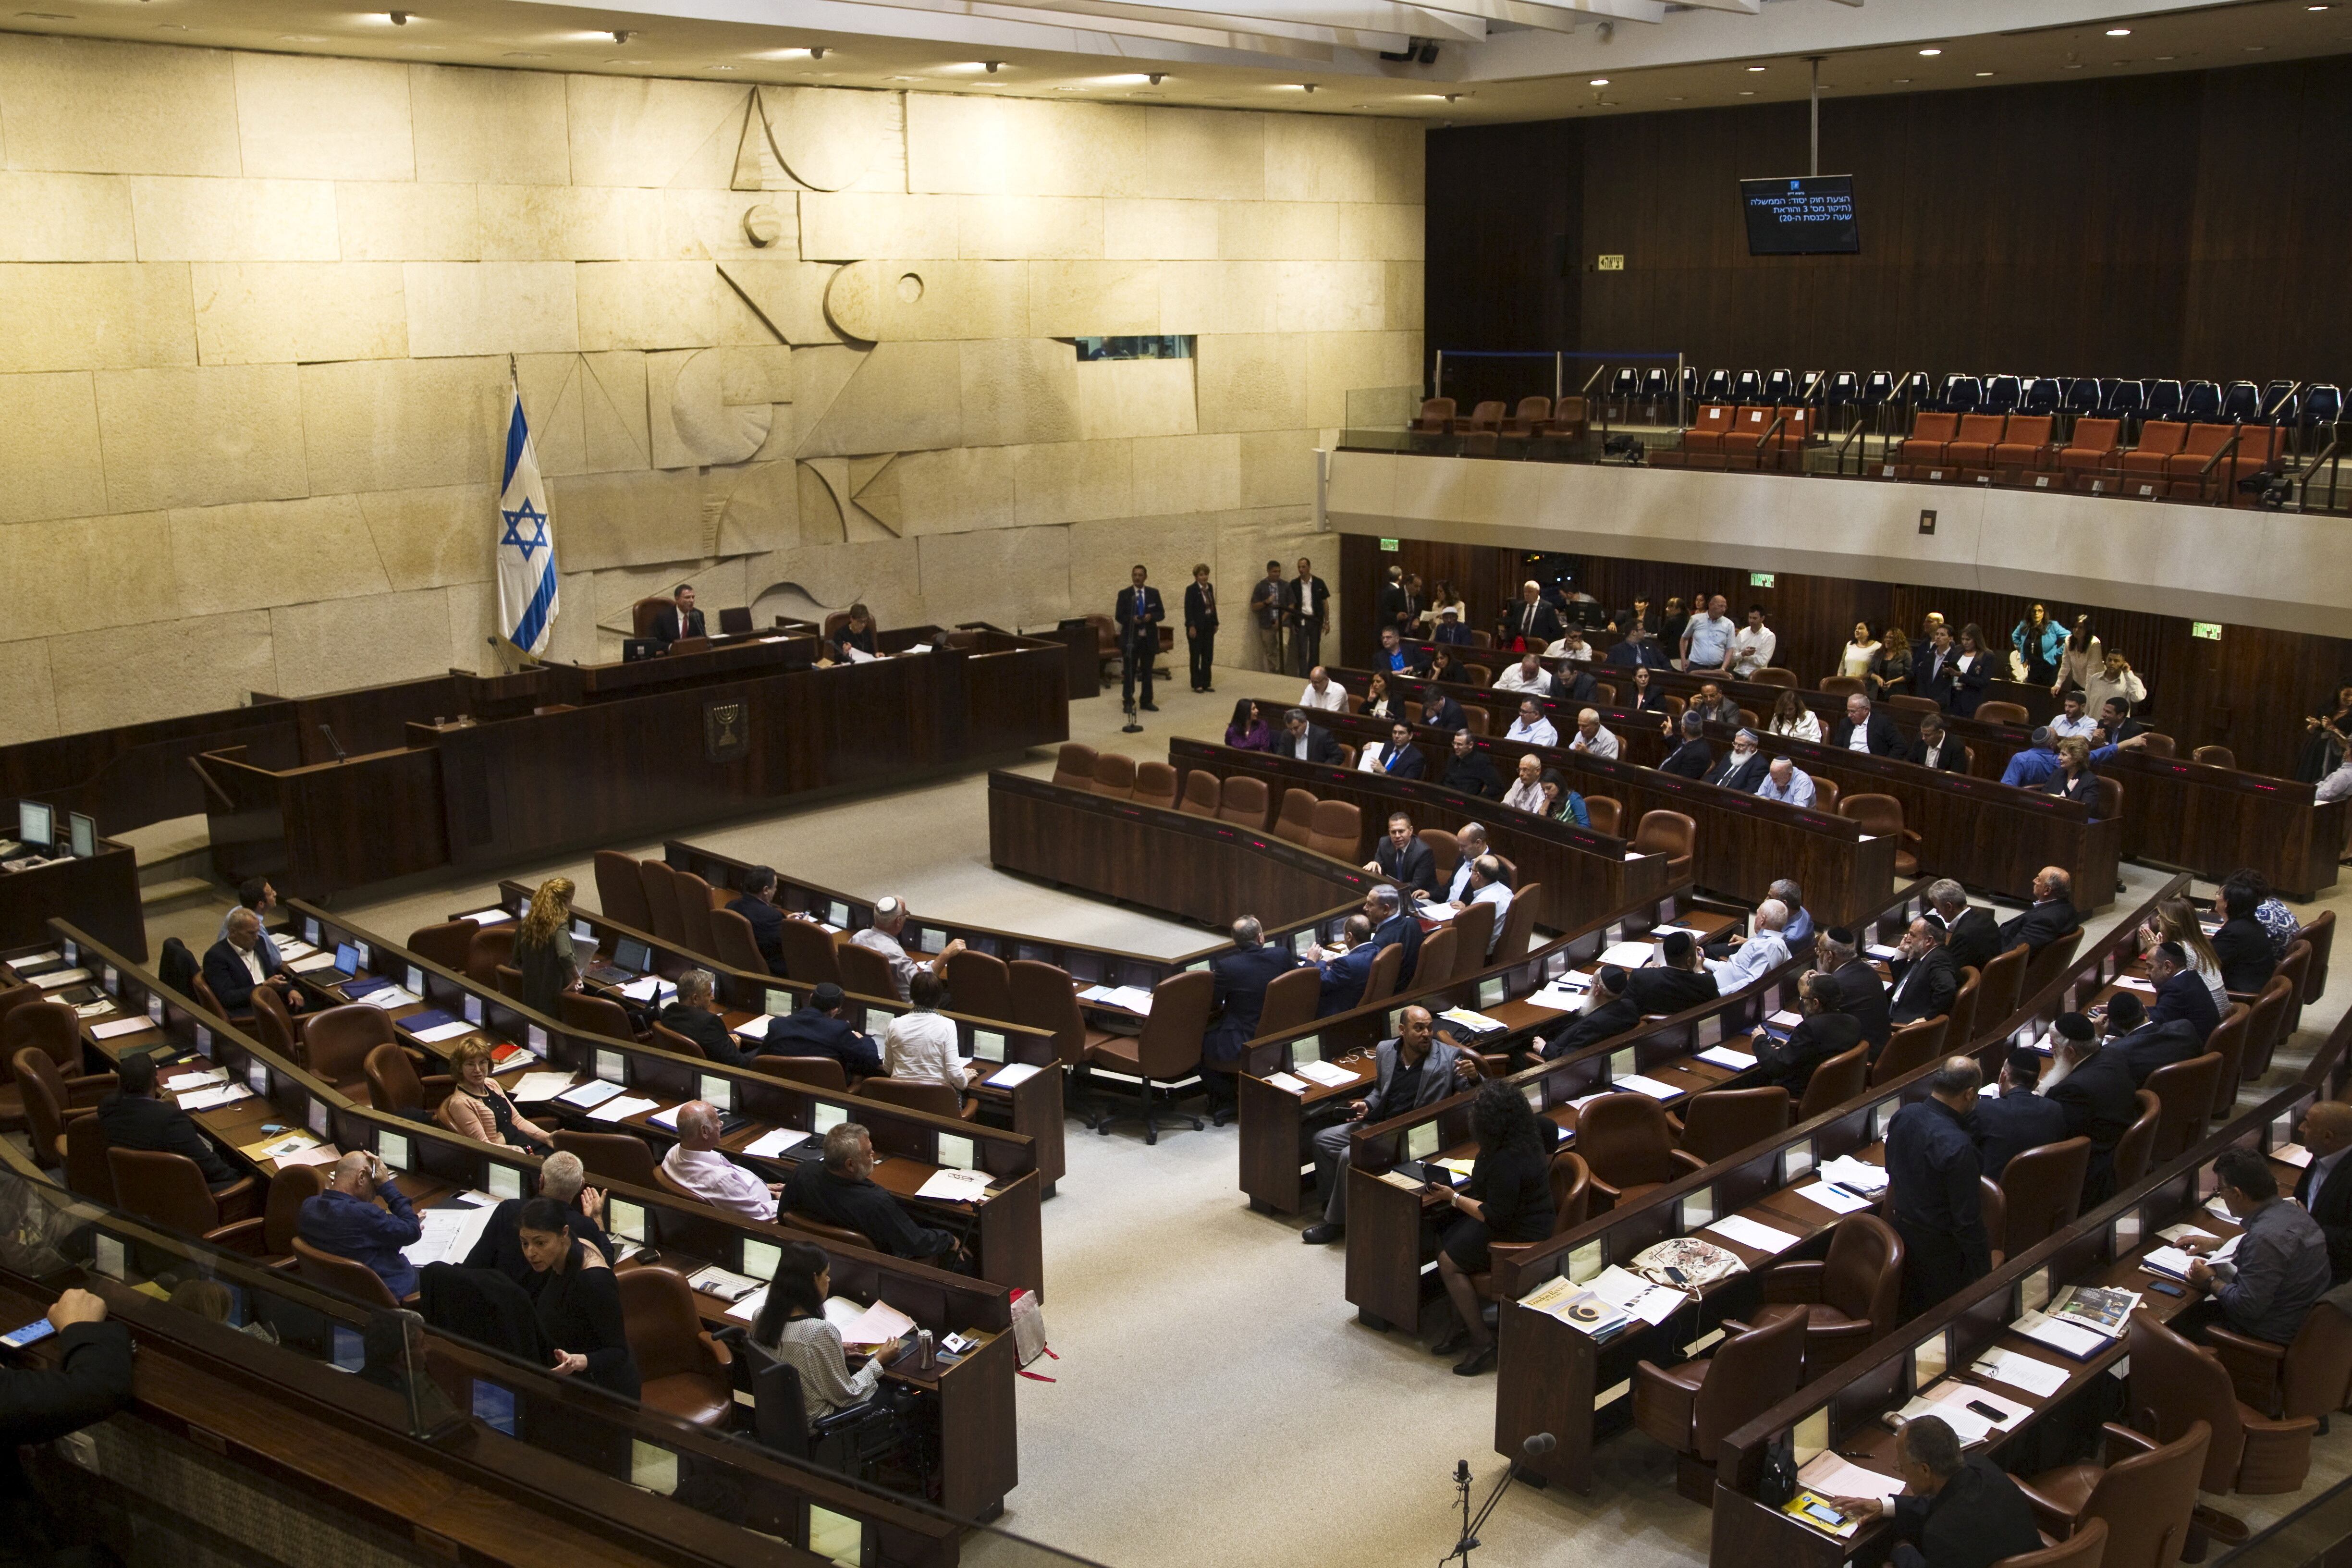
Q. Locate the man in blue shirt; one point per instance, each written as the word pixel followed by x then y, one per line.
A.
pixel 2031 768
pixel 344 1220
pixel 1392 657
pixel 1707 641
pixel 1798 933
pixel 1786 782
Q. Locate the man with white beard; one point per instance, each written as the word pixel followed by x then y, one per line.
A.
pixel 1608 1011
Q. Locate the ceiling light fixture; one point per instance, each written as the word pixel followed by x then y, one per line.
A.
pixel 526 54
pixel 1598 81
pixel 2119 32
pixel 1677 98
pixel 398 18
pixel 1931 53
pixel 1984 73
pixel 718 68
pixel 1902 82
pixel 621 35
pixel 1755 67
pixel 1747 92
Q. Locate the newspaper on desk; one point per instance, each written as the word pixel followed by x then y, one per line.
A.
pixel 1636 1297
pixel 1756 1238
pixel 214 1096
pixel 1855 1175
pixel 541 1085
pixel 621 1106
pixel 1638 1083
pixel 2039 1378
pixel 1325 1074
pixel 724 1283
pixel 953 1185
pixel 450 1228
pixel 1576 1306
pixel 2070 1338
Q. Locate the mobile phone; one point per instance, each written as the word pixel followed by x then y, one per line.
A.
pixel 2160 1288
pixel 1677 1276
pixel 1991 1413
pixel 37 1329
pixel 1824 1513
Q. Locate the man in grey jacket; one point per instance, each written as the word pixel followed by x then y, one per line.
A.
pixel 1415 1069
pixel 2281 1266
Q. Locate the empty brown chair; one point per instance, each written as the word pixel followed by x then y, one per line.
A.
pixel 1964 1008
pixel 393 1084
pixel 661 899
pixel 336 1043
pixel 1199 794
pixel 2096 447
pixel 2214 756
pixel 1439 957
pixel 2312 1376
pixel 342 1276
pixel 2176 1385
pixel 1841 685
pixel 2228 1041
pixel 866 973
pixel 2158 745
pixel 930 1099
pixel 87 1172
pixel 1291 997
pixel 292 1187
pixel 1930 432
pixel 2045 969
pixel 445 944
pixel 1773 675
pixel 1881 816
pixel 595 1016
pixel 1850 1297
pixel 2001 713
pixel 1444 851
pixel 2159 440
pixel 1472 927
pixel 2040 1192
pixel 170 1190
pixel 494 945
pixel 1519 926
pixel 611 1156
pixel 1707 434
pixel 732 943
pixel 1043 998
pixel 2001 988
pixel 1477 720
pixel 817 1072
pixel 1298 818
pixel 1910 1048
pixel 979 983
pixel 2111 798
pixel 1603 812
pixel 1903 699
pixel 1114 776
pixel 1166 1052
pixel 1628 1143
pixel 53 1102
pixel 621 891
pixel 1074 766
pixel 693 912
pixel 1671 833
pixel 1436 418
pixel 2320 933
pixel 1337 829
pixel 1720 1122
pixel 1381 980
pixel 810 955
pixel 274 1026
pixel 2145 1495
pixel 1825 793
pixel 2138 1142
pixel 2296 967
pixel 681 1368
pixel 1242 801
pixel 2265 1025
pixel 2185 1092
pixel 1839 1079
pixel 1692 1406
pixel 2025 445
pixel 1155 785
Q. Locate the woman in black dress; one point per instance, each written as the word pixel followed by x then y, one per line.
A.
pixel 1508 1199
pixel 572 1290
pixel 2073 780
pixel 543 946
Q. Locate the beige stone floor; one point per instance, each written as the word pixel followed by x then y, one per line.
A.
pixel 1214 1401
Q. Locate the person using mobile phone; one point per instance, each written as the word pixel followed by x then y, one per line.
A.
pixel 91 1381
pixel 1954 1512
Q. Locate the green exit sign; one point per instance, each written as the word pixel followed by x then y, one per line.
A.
pixel 1389 546
pixel 2209 630
pixel 1759 579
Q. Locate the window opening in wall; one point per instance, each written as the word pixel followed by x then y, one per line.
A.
pixel 1156 347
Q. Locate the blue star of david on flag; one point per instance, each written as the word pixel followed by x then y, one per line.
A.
pixel 526 549
pixel 516 519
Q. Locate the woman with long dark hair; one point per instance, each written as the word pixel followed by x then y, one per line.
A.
pixel 1508 1199
pixel 571 1291
pixel 2039 642
pixel 791 1326
pixel 1972 668
pixel 1249 731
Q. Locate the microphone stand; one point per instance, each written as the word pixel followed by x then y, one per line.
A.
pixel 1139 638
pixel 1471 1526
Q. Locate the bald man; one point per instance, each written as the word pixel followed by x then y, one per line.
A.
pixel 363 1215
pixel 696 1164
pixel 2325 1188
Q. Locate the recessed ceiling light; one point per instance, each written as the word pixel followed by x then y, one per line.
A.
pixel 1931 53
pixel 1135 80
pixel 1747 92
pixel 1902 82
pixel 2073 65
pixel 718 67
pixel 2119 32
pixel 171 27
pixel 1984 73
pixel 2168 57
pixel 1598 81
pixel 1755 67
pixel 788 54
pixel 1677 98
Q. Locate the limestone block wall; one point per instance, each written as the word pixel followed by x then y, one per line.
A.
pixel 796 345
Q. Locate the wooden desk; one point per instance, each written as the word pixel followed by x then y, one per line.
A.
pixel 101 891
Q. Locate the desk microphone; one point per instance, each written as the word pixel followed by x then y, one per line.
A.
pixel 1541 1443
pixel 330 733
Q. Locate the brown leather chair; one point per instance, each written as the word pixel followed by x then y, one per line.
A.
pixel 1337 829
pixel 2265 1026
pixel 1842 1078
pixel 2094 447
pixel 681 1368
pixel 1773 675
pixel 595 1016
pixel 2145 1495
pixel 1905 701
pixel 1881 816
pixel 1113 776
pixel 2159 745
pixel 1851 1298
pixel 661 898
pixel 2138 1143
pixel 344 1276
pixel 645 612
pixel 2228 1041
pixel 2001 713
pixel 1667 833
pixel 1043 998
pixel 1604 813
pixel 2001 988
pixel 2084 1549
pixel 1720 1122
pixel 292 1187
pixel 734 943
pixel 621 891
pixel 1436 418
pixel 1692 1406
pixel 87 1172
pixel 1841 685
pixel 1292 996
pixel 2045 968
pixel 1155 785
pixel 979 983
pixel 2214 756
pixel 170 1190
pixel 665 1038
pixel 1628 1143
pixel 1296 820
pixel 445 944
pixel 1963 1024
pixel 1166 1052
pixel 810 955
pixel 1439 957
pixel 1243 801
pixel 2312 1376
pixel 1910 1048
pixel 1471 926
pixel 2111 798
pixel 491 946
pixel 393 1084
pixel 2320 933
pixel 2185 1093
pixel 931 1099
pixel 51 1028
pixel 1199 794
pixel 2175 1383
pixel 203 992
pixel 50 1100
pixel 693 912
pixel 1074 766
pixel 1381 980
pixel 1519 926
pixel 818 1072
pixel 833 1236
pixel 336 1043
pixel 1571 1181
pixel 274 1026
pixel 2040 1192
pixel 2296 967
pixel 611 1156
pixel 866 973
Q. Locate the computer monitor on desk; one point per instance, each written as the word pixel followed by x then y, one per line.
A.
pixel 36 825
pixel 84 833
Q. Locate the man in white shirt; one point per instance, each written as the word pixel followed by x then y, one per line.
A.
pixel 1571 647
pixel 2074 722
pixel 1323 692
pixel 1531 727
pixel 1470 843
pixel 882 937
pixel 1591 738
pixel 921 1046
pixel 1758 955
pixel 1526 793
pixel 696 1164
pixel 1488 887
pixel 1788 782
pixel 1753 646
pixel 2335 785
pixel 1528 675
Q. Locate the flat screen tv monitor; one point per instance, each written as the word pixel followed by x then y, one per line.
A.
pixel 36 824
pixel 85 835
pixel 1800 214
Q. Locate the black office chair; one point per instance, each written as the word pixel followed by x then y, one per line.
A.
pixel 853 1440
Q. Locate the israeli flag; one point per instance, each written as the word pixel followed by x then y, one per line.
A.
pixel 527 596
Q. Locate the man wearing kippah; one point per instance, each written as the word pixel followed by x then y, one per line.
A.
pixel 882 937
pixel 1680 980
pixel 1607 1013
pixel 2145 1047
pixel 2094 1088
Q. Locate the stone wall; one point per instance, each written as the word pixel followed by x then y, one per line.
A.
pixel 257 312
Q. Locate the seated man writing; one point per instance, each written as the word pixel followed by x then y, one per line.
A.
pixel 840 1190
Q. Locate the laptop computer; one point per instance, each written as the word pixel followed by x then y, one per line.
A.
pixel 631 958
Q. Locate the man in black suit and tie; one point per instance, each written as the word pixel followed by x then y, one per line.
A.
pixel 1969 934
pixel 1531 623
pixel 234 967
pixel 1925 979
pixel 2325 1188
pixel 1201 627
pixel 1392 922
pixel 2053 914
pixel 1400 602
pixel 1637 647
pixel 2181 993
pixel 1822 1033
pixel 1743 767
pixel 2017 1118
pixel 1693 758
pixel 1469 769
pixel 757 905
pixel 1306 607
pixel 1680 980
pixel 2116 719
pixel 678 619
pixel 1441 712
pixel 133 1118
pixel 1936 748
pixel 816 1028
pixel 1403 858
pixel 1859 991
pixel 2095 1089
pixel 1878 736
pixel 1139 613
pixel 1307 743
pixel 2145 1047
pixel 1242 977
pixel 1607 1013
pixel 1401 759
pixel 1932 673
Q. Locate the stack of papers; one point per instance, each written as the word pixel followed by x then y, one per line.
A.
pixel 724 1283
pixel 651 988
pixel 747 1310
pixel 2173 1261
pixel 1327 1075
pixel 1133 998
pixel 2036 1377
pixel 214 1098
pixel 1287 1084
pixel 1635 1083
pixel 1576 1306
pixel 589 1095
pixel 390 996
pixel 755 1028
pixel 316 960
pixel 1784 1019
pixel 1012 1075
pixel 285 1149
pixel 2070 1338
pixel 1477 1022
pixel 487 917
pixel 1565 995
pixel 621 1106
pixel 2293 1154
pixel 955 1186
pixel 2103 1311
pixel 1858 1176
pixel 1966 1425
pixel 1880 951
pixel 189 1079
pixel 2134 982
pixel 666 1118
pixel 1726 1057
pixel 1754 1236
pixel 1636 1297
pixel 769 1145
pixel 542 1085
pixel 1829 1475
pixel 58 979
pixel 450 1229
pixel 434 1027
pixel 1837 1200
pixel 98 1009
pixel 1630 954
pixel 1952 1391
pixel 120 1027
pixel 875 1325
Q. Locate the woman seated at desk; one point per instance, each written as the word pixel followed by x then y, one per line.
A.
pixel 791 1326
pixel 543 946
pixel 1647 697
pixel 573 1293
pixel 1378 703
pixel 1249 731
pixel 1508 1199
pixel 2073 780
pixel 1791 717
pixel 479 1109
pixel 856 634
pixel 1563 803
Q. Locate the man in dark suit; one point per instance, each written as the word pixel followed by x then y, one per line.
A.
pixel 694 1014
pixel 816 1028
pixel 1469 769
pixel 1936 748
pixel 855 635
pixel 234 966
pixel 1969 934
pixel 678 619
pixel 1530 623
pixel 1956 1511
pixel 1679 980
pixel 757 905
pixel 1639 646
pixel 1399 602
pixel 1820 1033
pixel 2096 1091
pixel 1392 922
pixel 2145 1046
pixel 1416 1070
pixel 1441 712
pixel 91 1381
pixel 1932 675
pixel 2325 1188
pixel 2016 1119
pixel 1576 686
pixel 1401 857
pixel 564 1179
pixel 1859 990
pixel 132 1117
pixel 1305 608
pixel 2182 993
pixel 1607 1013
pixel 1307 743
pixel 1925 979
pixel 1242 977
pixel 1344 974
pixel 1139 613
pixel 1401 759
pixel 1201 627
pixel 1743 767
pixel 1692 758
pixel 1451 631
pixel 2116 719
pixel 1935 1194
pixel 1880 737
pixel 2053 914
